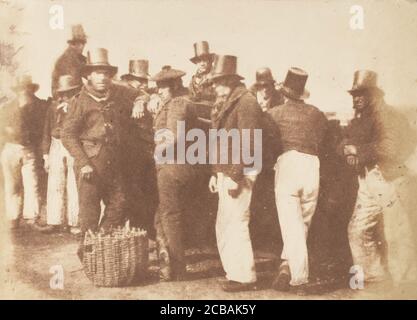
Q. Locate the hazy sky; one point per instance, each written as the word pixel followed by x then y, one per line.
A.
pixel 314 35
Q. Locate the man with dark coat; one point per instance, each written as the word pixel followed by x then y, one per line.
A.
pixel 22 120
pixel 302 128
pixel 92 135
pixel 377 143
pixel 175 177
pixel 72 60
pixel 236 109
pixel 265 90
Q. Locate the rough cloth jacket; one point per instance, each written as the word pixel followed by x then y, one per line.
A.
pixel 383 136
pixel 53 124
pixel 91 124
pixel 69 63
pixel 302 126
pixel 239 111
pixel 26 122
pixel 200 89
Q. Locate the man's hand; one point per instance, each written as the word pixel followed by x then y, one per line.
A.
pixel 46 162
pixel 350 149
pixel 213 184
pixel 87 172
pixel 352 161
pixel 154 103
pixel 138 110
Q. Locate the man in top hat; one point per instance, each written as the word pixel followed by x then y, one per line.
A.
pixel 297 176
pixel 91 134
pixel 175 181
pixel 200 86
pixel 72 60
pixel 62 196
pixel 377 143
pixel 22 120
pixel 235 108
pixel 139 166
pixel 264 88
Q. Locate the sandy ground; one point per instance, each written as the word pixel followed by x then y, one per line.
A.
pixel 27 274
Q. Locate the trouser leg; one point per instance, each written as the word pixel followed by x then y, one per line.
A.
pixel 71 192
pixel 31 190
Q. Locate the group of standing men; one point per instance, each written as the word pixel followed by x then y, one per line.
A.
pixel 96 139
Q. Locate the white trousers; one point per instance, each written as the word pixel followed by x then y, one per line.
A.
pixel 232 232
pixel 21 182
pixel 380 212
pixel 62 195
pixel 297 178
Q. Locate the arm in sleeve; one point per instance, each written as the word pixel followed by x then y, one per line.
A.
pixel 46 137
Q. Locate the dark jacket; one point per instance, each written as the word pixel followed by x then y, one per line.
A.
pixel 201 89
pixel 240 111
pixel 69 63
pixel 90 124
pixel 382 136
pixel 302 127
pixel 26 122
pixel 54 121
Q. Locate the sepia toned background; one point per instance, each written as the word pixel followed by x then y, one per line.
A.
pixel 313 35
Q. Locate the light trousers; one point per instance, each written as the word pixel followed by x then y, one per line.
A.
pixel 380 214
pixel 232 232
pixel 62 194
pixel 297 178
pixel 21 182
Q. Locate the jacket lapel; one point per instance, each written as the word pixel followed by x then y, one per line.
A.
pixel 229 105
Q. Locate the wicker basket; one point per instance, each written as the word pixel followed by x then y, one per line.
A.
pixel 117 258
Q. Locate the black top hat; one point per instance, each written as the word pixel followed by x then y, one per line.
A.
pixel 263 77
pixel 365 80
pixel 98 59
pixel 224 66
pixel 137 69
pixel 201 50
pixel 24 82
pixel 67 83
pixel 167 73
pixel 294 84
pixel 78 34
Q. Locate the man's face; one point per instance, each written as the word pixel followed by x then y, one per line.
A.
pixel 265 91
pixel 78 47
pixel 164 90
pixel 100 79
pixel 221 87
pixel 139 83
pixel 360 100
pixel 203 65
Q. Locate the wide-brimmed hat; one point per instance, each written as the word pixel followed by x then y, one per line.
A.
pixel 167 73
pixel 365 80
pixel 98 59
pixel 24 82
pixel 294 84
pixel 77 34
pixel 201 50
pixel 224 66
pixel 67 83
pixel 264 77
pixel 138 69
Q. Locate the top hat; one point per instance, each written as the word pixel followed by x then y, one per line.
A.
pixel 365 80
pixel 78 34
pixel 201 50
pixel 98 59
pixel 224 66
pixel 24 82
pixel 263 77
pixel 294 84
pixel 167 73
pixel 67 83
pixel 137 69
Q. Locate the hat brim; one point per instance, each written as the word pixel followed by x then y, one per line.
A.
pixel 68 89
pixel 130 76
pixel 198 58
pixel 218 76
pixel 32 87
pixel 289 93
pixel 372 90
pixel 263 83
pixel 87 69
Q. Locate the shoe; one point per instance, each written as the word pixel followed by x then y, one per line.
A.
pixel 45 228
pixel 234 286
pixel 282 280
pixel 75 231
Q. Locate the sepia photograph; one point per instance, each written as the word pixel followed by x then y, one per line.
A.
pixel 208 150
